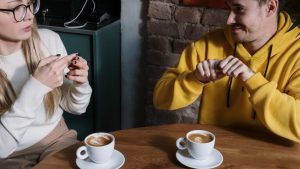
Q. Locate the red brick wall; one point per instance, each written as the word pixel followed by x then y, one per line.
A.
pixel 209 3
pixel 170 27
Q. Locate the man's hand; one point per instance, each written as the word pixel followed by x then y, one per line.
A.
pixel 208 70
pixel 232 66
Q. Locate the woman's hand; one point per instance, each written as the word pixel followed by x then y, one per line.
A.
pixel 78 70
pixel 50 70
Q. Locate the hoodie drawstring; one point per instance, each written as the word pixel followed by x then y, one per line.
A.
pixel 230 80
pixel 265 74
pixel 268 61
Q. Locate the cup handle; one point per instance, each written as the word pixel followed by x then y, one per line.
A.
pixel 79 151
pixel 181 143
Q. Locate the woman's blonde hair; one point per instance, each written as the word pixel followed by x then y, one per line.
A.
pixel 33 54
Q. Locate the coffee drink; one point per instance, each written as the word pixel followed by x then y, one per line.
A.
pixel 98 140
pixel 199 143
pixel 98 147
pixel 200 138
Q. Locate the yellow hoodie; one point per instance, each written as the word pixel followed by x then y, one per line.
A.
pixel 270 98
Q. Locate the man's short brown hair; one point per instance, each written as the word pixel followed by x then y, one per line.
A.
pixel 281 3
pixel 261 2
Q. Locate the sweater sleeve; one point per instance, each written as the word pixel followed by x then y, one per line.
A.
pixel 278 111
pixel 15 122
pixel 178 87
pixel 76 97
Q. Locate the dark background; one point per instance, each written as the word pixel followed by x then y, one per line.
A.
pixel 66 10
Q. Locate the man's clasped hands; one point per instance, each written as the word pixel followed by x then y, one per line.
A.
pixel 212 70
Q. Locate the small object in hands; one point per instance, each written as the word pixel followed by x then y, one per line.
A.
pixel 217 66
pixel 66 71
pixel 74 61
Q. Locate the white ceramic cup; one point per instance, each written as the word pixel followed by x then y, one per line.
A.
pixel 198 150
pixel 98 154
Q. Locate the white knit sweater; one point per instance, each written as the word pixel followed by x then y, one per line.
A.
pixel 25 124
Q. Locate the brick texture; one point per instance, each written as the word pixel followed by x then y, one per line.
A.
pixel 187 15
pixel 167 29
pixel 195 32
pixel 162 44
pixel 179 45
pixel 214 17
pixel 159 10
pixel 169 1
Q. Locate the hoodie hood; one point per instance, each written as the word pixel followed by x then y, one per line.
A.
pixel 284 34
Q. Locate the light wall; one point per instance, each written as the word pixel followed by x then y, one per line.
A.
pixel 132 70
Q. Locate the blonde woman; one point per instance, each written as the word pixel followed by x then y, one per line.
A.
pixel 34 89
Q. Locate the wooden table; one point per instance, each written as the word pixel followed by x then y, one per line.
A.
pixel 154 148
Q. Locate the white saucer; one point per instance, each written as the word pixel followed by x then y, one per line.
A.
pixel 213 161
pixel 117 160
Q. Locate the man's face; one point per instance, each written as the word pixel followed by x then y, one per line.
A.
pixel 247 20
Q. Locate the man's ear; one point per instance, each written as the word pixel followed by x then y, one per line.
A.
pixel 272 7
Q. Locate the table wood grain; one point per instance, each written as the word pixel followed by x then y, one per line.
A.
pixel 154 147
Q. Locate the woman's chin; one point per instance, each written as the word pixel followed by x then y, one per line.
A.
pixel 25 36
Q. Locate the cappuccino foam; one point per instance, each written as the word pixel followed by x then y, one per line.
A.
pixel 98 140
pixel 200 138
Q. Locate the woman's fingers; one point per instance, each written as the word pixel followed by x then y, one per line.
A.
pixel 63 62
pixel 79 63
pixel 47 60
pixel 78 79
pixel 50 70
pixel 78 70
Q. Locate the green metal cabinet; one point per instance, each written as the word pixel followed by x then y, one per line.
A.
pixel 101 48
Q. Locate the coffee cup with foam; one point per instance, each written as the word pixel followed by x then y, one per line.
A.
pixel 99 147
pixel 199 143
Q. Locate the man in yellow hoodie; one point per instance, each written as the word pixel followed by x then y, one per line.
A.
pixel 248 75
